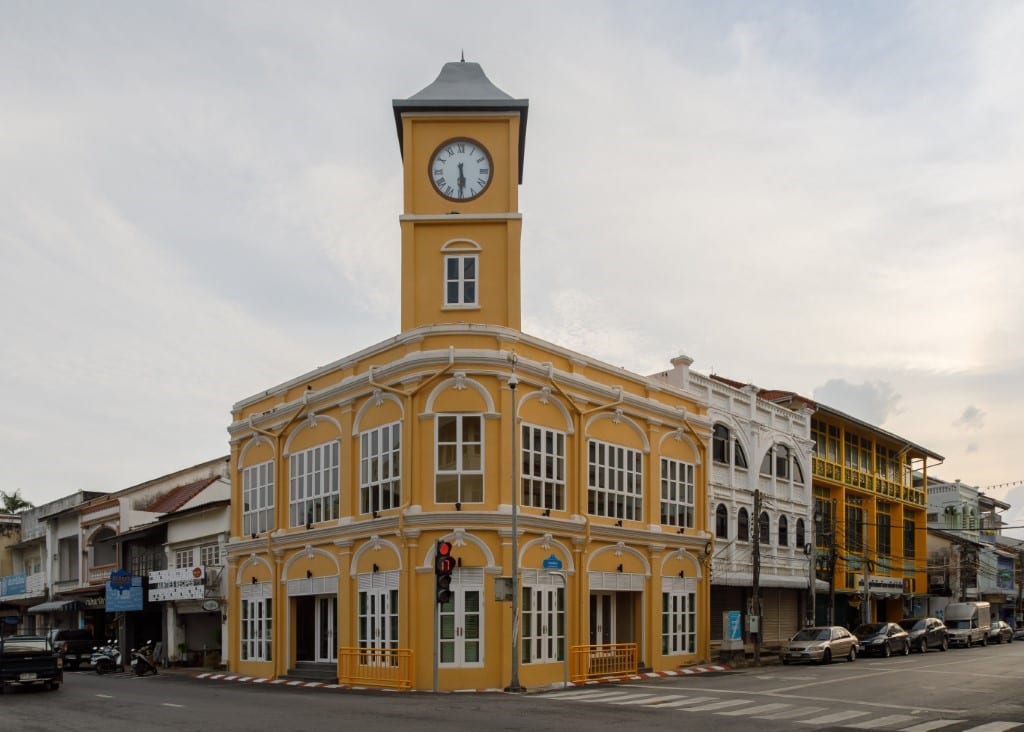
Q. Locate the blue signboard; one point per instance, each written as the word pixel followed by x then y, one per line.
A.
pixel 12 584
pixel 124 594
pixel 734 630
pixel 552 562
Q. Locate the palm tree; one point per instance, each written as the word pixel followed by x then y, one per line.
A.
pixel 13 502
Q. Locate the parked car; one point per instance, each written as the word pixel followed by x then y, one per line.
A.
pixel 821 644
pixel 1018 634
pixel 73 646
pixel 1000 632
pixel 29 660
pixel 926 633
pixel 882 639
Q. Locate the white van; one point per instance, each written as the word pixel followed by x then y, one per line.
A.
pixel 968 623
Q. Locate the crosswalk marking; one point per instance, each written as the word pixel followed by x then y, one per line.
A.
pixel 790 713
pixel 607 697
pixel 760 710
pixel 718 705
pixel 774 711
pixel 879 722
pixel 647 700
pixel 833 718
pixel 930 725
pixel 686 700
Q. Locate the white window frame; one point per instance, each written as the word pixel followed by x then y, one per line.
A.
pixel 615 481
pixel 377 611
pixel 314 491
pixel 455 634
pixel 678 616
pixel 543 467
pixel 460 445
pixel 209 555
pixel 461 282
pixel 543 614
pixel 677 487
pixel 258 498
pixel 183 558
pixel 256 632
pixel 380 468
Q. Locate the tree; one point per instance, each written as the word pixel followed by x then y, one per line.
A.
pixel 13 502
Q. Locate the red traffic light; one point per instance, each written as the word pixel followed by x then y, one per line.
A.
pixel 444 548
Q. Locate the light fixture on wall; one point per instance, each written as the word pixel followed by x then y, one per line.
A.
pixel 682 529
pixel 254 535
pixel 309 574
pixel 458 506
pixel 547 511
pixel 619 568
pixel 309 525
pixel 619 522
pixel 254 580
pixel 376 568
pixel 707 548
pixel 682 574
pixel 376 514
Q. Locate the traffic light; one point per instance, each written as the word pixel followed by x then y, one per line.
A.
pixel 444 563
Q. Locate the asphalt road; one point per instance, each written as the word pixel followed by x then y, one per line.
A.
pixel 977 689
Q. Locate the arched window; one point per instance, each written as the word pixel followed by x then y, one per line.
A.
pixel 743 525
pixel 722 521
pixel 776 462
pixel 798 473
pixel 764 528
pixel 720 444
pixel 801 539
pixel 725 449
pixel 783 531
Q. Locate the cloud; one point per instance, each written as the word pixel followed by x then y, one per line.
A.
pixel 872 401
pixel 972 418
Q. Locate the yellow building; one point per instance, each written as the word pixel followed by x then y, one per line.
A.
pixel 870 502
pixel 345 478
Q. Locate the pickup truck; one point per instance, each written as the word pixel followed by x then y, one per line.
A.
pixel 74 646
pixel 29 660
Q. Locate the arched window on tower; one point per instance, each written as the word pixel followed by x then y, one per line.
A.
pixel 801 538
pixel 743 525
pixel 722 522
pixel 764 528
pixel 783 531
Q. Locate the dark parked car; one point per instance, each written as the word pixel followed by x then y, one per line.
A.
pixel 29 660
pixel 926 633
pixel 73 646
pixel 883 639
pixel 1000 632
pixel 821 644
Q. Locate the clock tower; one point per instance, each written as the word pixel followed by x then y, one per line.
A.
pixel 462 141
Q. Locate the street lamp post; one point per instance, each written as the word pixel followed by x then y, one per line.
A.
pixel 565 629
pixel 513 684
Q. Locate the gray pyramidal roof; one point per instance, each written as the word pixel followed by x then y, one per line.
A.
pixel 463 86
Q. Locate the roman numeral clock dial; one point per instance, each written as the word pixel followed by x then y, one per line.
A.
pixel 460 169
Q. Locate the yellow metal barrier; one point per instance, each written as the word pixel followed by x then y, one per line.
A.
pixel 390 667
pixel 609 659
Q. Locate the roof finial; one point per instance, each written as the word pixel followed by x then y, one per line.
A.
pixel 463 55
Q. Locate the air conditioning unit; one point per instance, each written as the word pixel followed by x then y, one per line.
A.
pixel 936 580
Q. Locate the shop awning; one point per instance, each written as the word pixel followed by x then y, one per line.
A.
pixel 54 606
pixel 739 579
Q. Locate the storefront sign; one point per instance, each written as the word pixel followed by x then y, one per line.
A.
pixel 12 584
pixel 177 584
pixel 121 598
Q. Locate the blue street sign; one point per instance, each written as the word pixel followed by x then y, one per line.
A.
pixel 552 562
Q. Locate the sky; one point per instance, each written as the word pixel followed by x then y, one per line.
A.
pixel 200 200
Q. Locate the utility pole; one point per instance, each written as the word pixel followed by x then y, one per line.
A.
pixel 755 606
pixel 832 566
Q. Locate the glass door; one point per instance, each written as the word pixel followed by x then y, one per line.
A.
pixel 326 620
pixel 602 618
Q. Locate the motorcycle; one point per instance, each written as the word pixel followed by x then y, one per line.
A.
pixel 106 658
pixel 142 660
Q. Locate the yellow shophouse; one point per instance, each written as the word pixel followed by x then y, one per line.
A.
pixel 572 491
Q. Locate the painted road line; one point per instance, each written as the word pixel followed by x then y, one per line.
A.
pixel 879 722
pixel 646 700
pixel 686 700
pixel 995 727
pixel 833 718
pixel 718 705
pixel 789 714
pixel 585 695
pixel 760 710
pixel 930 725
pixel 608 697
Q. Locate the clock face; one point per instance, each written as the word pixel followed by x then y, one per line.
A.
pixel 460 169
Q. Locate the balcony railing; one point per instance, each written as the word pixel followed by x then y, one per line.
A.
pixel 865 481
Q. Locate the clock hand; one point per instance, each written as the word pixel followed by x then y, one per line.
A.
pixel 461 180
